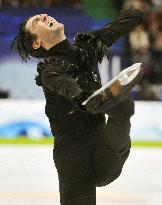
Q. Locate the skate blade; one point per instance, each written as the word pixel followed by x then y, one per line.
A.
pixel 124 77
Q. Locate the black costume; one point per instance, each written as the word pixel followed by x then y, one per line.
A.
pixel 88 152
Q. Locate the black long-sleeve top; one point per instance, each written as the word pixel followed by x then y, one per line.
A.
pixel 67 70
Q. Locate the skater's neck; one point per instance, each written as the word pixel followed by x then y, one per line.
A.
pixel 60 48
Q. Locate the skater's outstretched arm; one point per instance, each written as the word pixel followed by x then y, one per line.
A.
pixel 95 44
pixel 124 23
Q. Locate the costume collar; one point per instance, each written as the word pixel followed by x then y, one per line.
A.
pixel 61 48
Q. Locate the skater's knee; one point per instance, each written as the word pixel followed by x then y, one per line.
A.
pixel 111 175
pixel 109 164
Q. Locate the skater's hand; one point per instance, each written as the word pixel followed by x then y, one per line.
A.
pixel 96 104
pixel 77 101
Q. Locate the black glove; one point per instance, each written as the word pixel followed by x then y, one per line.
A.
pixel 95 105
pixel 77 101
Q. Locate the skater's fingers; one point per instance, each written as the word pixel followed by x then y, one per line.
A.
pixel 92 110
pixel 93 105
pixel 94 102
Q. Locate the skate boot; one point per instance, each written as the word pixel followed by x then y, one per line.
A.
pixel 115 91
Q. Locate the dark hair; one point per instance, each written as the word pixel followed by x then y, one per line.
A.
pixel 23 44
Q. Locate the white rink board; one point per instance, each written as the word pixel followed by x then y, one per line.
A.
pixel 146 123
pixel 18 116
pixel 28 176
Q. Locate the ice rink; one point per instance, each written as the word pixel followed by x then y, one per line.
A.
pixel 28 177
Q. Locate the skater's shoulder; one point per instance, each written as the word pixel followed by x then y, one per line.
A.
pixel 56 65
pixel 49 64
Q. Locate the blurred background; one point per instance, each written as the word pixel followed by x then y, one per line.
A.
pixel 143 44
pixel 22 118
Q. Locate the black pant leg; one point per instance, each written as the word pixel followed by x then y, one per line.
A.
pixel 108 164
pixel 84 201
pixel 118 125
pixel 113 143
pixel 77 181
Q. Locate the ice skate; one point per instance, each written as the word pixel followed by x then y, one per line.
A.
pixel 119 88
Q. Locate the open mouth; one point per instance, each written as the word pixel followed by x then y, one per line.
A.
pixel 50 23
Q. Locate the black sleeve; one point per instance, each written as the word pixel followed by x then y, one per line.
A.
pixel 124 23
pixel 61 84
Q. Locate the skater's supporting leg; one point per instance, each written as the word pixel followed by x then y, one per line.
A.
pixel 84 201
pixel 79 193
pixel 77 181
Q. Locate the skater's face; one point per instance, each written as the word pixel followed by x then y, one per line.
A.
pixel 46 28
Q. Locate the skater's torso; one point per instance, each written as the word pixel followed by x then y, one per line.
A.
pixel 67 61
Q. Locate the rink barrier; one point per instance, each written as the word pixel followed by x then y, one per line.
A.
pixel 26 118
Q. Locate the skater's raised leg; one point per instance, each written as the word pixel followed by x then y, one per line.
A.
pixel 111 154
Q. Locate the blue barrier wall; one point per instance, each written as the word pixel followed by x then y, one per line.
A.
pixel 74 21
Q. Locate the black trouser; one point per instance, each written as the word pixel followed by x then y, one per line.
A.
pixel 95 158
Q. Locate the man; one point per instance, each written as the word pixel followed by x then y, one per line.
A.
pixel 88 152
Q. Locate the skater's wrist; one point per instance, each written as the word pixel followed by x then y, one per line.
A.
pixel 78 100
